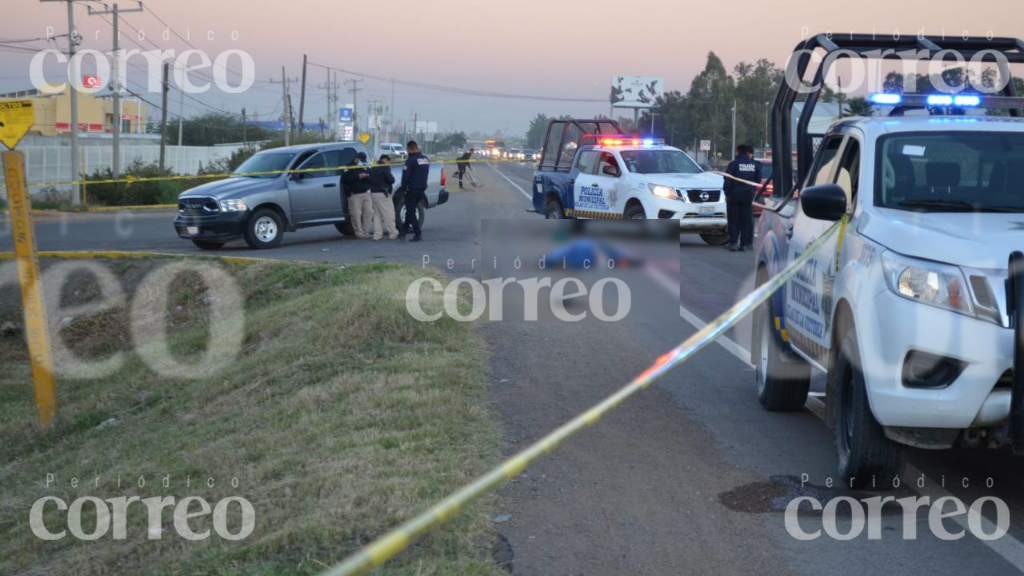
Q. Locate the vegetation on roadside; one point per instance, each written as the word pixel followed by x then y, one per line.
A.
pixel 340 417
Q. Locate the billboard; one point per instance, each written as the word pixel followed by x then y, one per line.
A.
pixel 636 91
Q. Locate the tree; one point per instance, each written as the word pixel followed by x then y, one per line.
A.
pixel 217 128
pixel 535 134
pixel 756 85
pixel 710 101
pixel 858 107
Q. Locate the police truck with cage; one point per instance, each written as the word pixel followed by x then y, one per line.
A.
pixel 915 309
pixel 590 169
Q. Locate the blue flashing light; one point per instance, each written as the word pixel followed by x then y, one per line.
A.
pixel 885 98
pixel 968 100
pixel 648 142
pixel 940 100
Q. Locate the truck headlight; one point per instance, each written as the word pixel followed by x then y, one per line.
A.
pixel 663 191
pixel 233 206
pixel 934 283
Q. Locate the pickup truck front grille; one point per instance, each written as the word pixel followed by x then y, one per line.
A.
pixel 198 206
pixel 701 196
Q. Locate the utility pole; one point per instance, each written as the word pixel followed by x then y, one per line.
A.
pixel 76 197
pixel 355 102
pixel 163 118
pixel 284 102
pixel 330 107
pixel 115 86
pixel 245 126
pixel 181 115
pixel 734 125
pixel 302 94
pixel 391 113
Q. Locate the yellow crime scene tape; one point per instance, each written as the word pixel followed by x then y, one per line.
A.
pixel 731 177
pixel 129 180
pixel 398 539
pixel 121 254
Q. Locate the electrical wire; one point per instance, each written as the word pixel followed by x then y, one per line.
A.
pixel 454 90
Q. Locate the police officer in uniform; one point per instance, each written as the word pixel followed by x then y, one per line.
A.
pixel 739 198
pixel 414 182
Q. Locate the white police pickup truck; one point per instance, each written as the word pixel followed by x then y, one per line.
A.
pixel 907 309
pixel 588 169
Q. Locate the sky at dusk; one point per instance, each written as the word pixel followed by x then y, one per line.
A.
pixel 551 48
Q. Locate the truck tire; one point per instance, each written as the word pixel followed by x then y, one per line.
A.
pixel 421 214
pixel 264 229
pixel 554 210
pixel 782 378
pixel 207 245
pixel 866 458
pixel 714 239
pixel 635 212
pixel 345 228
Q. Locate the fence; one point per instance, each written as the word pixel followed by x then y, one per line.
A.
pixel 53 163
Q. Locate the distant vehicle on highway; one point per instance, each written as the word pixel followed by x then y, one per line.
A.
pixel 589 169
pixel 259 203
pixel 516 154
pixel 393 149
pixel 531 155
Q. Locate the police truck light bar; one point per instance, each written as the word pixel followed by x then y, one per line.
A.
pixel 946 100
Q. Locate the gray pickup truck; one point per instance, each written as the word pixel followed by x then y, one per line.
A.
pixel 259 203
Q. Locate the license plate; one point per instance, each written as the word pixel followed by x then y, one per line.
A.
pixel 193 230
pixel 705 211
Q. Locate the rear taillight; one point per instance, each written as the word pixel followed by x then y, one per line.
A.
pixel 444 179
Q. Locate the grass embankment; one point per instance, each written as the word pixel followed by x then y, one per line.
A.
pixel 341 417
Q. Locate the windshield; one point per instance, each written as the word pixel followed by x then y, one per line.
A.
pixel 951 172
pixel 266 162
pixel 659 162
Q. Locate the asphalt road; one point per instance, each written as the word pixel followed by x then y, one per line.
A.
pixel 690 477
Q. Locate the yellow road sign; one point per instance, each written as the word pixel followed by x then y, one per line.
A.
pixel 364 137
pixel 31 290
pixel 15 120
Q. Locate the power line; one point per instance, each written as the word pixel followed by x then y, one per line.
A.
pixel 183 39
pixel 455 90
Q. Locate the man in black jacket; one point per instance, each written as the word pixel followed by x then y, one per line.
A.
pixel 381 181
pixel 464 168
pixel 356 182
pixel 414 182
pixel 739 198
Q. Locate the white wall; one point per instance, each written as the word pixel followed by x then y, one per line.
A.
pixel 52 164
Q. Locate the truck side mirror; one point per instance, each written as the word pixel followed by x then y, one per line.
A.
pixel 824 202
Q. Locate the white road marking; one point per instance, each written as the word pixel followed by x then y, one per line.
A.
pixel 511 182
pixel 724 341
pixel 1011 549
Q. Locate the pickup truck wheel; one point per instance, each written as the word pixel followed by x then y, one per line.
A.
pixel 635 212
pixel 207 245
pixel 715 239
pixel 345 228
pixel 554 210
pixel 782 379
pixel 867 459
pixel 264 229
pixel 421 214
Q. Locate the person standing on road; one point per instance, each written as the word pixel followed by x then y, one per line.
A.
pixel 356 181
pixel 381 182
pixel 414 182
pixel 464 168
pixel 739 198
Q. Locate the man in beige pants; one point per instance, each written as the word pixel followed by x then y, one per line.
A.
pixel 381 183
pixel 357 186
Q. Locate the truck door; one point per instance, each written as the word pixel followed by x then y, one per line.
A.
pixel 596 186
pixel 316 195
pixel 808 308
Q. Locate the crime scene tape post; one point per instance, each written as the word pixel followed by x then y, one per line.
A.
pixel 36 329
pixel 390 544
